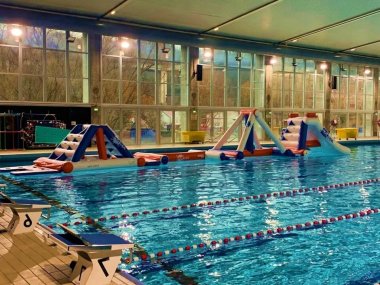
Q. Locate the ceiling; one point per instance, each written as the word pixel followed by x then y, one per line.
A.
pixel 339 26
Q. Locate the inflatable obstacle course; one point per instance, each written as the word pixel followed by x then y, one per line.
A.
pixel 71 153
pixel 249 144
pixel 306 135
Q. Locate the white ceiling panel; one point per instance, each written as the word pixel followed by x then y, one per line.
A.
pixel 289 18
pixel 195 15
pixel 83 7
pixel 371 49
pixel 346 36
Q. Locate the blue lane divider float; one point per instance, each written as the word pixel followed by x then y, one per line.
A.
pixel 258 197
pixel 214 244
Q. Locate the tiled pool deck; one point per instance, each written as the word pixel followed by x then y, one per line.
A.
pixel 33 259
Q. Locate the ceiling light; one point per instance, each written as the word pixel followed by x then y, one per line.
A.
pixel 323 66
pixel 273 60
pixel 353 49
pixel 216 29
pixel 294 41
pixel 113 12
pixel 124 44
pixel 207 53
pixel 79 47
pixel 367 71
pixel 16 32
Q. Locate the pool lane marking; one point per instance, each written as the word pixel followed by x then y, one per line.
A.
pixel 256 198
pixel 138 250
pixel 156 257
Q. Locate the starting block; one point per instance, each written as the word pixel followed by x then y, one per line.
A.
pixel 26 213
pixel 98 255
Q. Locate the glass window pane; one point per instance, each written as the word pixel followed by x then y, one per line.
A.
pixel 218 87
pixel 165 52
pixel 147 49
pixel 78 42
pixel 77 67
pixel 56 89
pixel 129 92
pixel 33 37
pixel 219 58
pixel 31 88
pixel 231 59
pixel 6 36
pixel 76 90
pixel 180 53
pixel 148 71
pixel 180 124
pixel 246 60
pixel 128 127
pixel 9 59
pixel 166 126
pixel 147 91
pixel 9 87
pixel 111 67
pixel 110 45
pixel 110 90
pixel 113 118
pixel 55 63
pixel 148 121
pixel 31 61
pixel 55 39
pixel 129 66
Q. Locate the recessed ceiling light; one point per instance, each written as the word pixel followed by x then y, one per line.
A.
pixel 216 29
pixel 353 49
pixel 294 41
pixel 113 12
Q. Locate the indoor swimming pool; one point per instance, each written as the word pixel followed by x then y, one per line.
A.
pixel 201 222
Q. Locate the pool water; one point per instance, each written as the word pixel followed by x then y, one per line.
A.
pixel 345 252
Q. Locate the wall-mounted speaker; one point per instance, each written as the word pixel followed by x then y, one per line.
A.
pixel 199 72
pixel 334 82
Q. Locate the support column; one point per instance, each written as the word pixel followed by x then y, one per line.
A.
pixel 194 96
pixel 376 98
pixel 94 54
pixel 327 80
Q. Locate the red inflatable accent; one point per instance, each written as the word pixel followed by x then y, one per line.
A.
pixel 101 144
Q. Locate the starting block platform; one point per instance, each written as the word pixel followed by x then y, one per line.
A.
pixel 26 213
pixel 98 255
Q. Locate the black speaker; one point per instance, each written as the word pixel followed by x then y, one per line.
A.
pixel 199 72
pixel 334 82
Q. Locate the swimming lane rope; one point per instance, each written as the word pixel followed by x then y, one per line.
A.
pixel 258 197
pixel 214 244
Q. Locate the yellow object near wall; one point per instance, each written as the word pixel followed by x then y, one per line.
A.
pixel 346 133
pixel 193 136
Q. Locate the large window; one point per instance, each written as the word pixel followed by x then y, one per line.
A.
pixel 143 73
pixel 43 65
pixel 231 79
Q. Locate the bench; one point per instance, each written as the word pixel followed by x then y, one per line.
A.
pixel 26 213
pixel 98 254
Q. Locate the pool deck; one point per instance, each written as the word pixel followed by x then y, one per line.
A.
pixel 29 259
